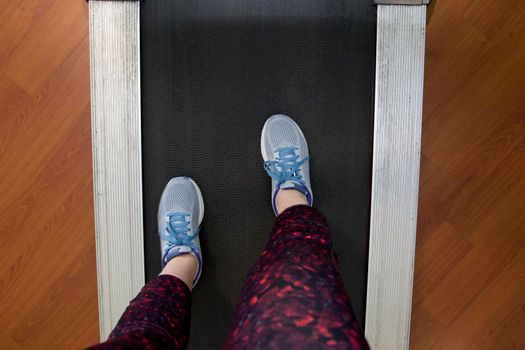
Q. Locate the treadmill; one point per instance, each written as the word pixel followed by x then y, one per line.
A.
pixel 184 87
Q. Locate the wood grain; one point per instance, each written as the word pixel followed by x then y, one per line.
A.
pixel 48 43
pixel 469 259
pixel 48 290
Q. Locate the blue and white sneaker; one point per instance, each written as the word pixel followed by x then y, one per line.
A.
pixel 285 153
pixel 181 211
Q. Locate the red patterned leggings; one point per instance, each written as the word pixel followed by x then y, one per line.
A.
pixel 293 298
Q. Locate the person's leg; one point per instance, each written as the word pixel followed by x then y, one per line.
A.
pixel 289 198
pixel 294 297
pixel 184 267
pixel 159 317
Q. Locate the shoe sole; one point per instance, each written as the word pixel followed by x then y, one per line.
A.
pixel 263 141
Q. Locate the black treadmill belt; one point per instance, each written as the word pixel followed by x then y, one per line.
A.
pixel 212 73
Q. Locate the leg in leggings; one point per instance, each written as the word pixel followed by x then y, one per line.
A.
pixel 158 318
pixel 294 297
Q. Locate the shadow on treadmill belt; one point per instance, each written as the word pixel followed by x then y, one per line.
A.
pixel 212 73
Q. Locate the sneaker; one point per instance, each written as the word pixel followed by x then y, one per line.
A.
pixel 285 153
pixel 181 211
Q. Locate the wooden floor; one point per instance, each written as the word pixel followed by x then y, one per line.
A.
pixel 48 286
pixel 470 265
pixel 469 290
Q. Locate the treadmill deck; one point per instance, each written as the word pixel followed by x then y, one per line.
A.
pixel 212 73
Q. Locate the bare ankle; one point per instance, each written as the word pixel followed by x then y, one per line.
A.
pixel 289 198
pixel 184 267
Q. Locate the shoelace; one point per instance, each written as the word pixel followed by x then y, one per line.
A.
pixel 286 166
pixel 177 229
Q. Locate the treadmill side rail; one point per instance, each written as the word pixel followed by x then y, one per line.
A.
pixel 395 174
pixel 117 159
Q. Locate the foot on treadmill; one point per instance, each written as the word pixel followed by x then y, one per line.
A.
pixel 285 153
pixel 181 211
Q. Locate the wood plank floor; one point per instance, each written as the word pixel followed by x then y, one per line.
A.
pixel 470 263
pixel 469 290
pixel 48 287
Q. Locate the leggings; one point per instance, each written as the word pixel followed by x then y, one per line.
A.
pixel 293 298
